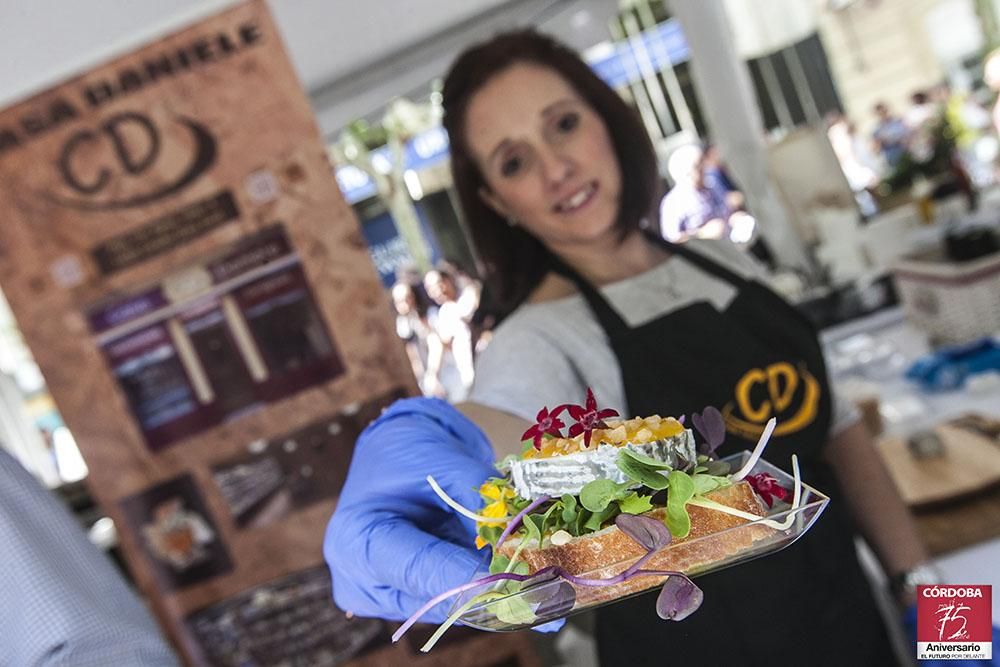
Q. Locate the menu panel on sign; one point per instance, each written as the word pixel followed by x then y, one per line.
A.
pixel 216 339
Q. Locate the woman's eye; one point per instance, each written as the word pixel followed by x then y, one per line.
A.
pixel 510 166
pixel 568 122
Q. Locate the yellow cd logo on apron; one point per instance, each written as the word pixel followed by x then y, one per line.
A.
pixel 747 414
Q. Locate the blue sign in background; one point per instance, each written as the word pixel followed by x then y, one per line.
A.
pixel 388 249
pixel 664 44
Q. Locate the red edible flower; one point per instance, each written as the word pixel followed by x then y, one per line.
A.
pixel 548 424
pixel 588 417
pixel 767 487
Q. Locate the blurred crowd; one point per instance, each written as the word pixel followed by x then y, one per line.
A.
pixel 943 143
pixel 436 319
pixel 705 202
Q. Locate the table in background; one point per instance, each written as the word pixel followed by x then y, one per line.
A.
pixel 870 356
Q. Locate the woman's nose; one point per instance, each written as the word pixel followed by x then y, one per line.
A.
pixel 556 166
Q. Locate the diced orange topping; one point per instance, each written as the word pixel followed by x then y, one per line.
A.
pixel 635 431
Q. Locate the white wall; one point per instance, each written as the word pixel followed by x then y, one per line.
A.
pixel 353 56
pixel 883 51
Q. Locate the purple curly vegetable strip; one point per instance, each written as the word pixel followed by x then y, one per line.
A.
pixel 516 521
pixel 553 570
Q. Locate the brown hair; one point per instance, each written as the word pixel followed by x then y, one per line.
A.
pixel 515 261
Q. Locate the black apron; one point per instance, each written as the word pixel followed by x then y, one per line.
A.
pixel 809 604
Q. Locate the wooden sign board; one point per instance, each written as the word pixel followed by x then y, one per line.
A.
pixel 202 304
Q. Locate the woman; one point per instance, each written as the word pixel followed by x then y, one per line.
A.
pixel 449 365
pixel 556 177
pixel 414 328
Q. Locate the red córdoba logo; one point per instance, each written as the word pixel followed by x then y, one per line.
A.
pixel 954 621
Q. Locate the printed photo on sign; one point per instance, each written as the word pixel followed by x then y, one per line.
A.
pixel 177 533
pixel 216 339
pixel 290 472
pixel 291 621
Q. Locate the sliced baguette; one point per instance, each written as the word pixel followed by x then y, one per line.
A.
pixel 609 551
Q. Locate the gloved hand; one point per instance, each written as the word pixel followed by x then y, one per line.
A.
pixel 392 544
pixel 910 625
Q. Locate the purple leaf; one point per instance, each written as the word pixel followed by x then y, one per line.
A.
pixel 712 427
pixel 553 601
pixel 679 599
pixel 651 534
pixel 681 419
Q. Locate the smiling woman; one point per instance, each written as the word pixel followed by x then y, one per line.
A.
pixel 552 169
pixel 557 178
pixel 541 146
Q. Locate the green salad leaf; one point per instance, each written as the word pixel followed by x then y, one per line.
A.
pixel 499 563
pixel 705 483
pixel 568 508
pixel 598 494
pixel 514 610
pixel 640 472
pixel 532 524
pixel 680 492
pixel 597 519
pixel 647 461
pixel 633 503
pixel 490 532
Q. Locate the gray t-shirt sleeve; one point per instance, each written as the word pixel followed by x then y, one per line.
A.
pixel 524 369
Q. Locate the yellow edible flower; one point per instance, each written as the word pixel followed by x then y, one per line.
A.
pixel 493 491
pixel 496 509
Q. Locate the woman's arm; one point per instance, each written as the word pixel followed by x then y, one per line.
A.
pixel 882 517
pixel 502 429
pixel 413 352
pixel 435 355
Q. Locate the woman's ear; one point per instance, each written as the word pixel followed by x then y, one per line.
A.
pixel 494 202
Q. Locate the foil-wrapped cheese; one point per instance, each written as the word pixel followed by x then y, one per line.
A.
pixel 557 475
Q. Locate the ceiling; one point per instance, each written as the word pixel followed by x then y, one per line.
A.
pixel 352 57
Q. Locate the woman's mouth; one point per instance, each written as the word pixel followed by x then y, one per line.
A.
pixel 578 199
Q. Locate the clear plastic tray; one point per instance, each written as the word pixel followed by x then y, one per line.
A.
pixel 509 611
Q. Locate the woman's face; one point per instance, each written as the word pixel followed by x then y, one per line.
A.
pixel 546 157
pixel 439 288
pixel 403 299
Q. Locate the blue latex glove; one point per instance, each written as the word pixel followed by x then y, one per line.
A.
pixel 910 625
pixel 392 543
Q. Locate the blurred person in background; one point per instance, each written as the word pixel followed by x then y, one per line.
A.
pixel 470 293
pixel 450 365
pixel 716 178
pixel 930 166
pixel 991 77
pixel 969 124
pixel 414 328
pixel 890 136
pixel 62 602
pixel 467 286
pixel 691 208
pixel 704 202
pixel 856 160
pixel 922 120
